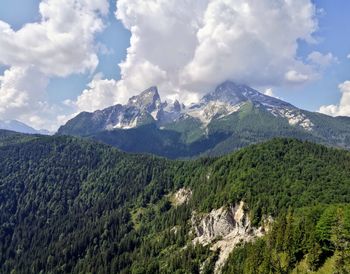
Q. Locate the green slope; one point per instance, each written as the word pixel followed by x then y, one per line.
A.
pixel 69 205
pixel 188 137
pixel 10 137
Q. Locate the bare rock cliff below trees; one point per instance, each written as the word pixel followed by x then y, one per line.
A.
pixel 224 229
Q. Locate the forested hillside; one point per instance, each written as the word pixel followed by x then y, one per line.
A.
pixel 76 206
pixel 10 137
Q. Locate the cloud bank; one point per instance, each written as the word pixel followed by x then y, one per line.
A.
pixel 343 108
pixel 61 44
pixel 188 47
pixel 184 47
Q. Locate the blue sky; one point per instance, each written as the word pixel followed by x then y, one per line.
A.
pixel 334 37
pixel 115 37
pixel 63 86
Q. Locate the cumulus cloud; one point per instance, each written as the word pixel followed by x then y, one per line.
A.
pixel 321 60
pixel 343 108
pixel 23 97
pixel 15 85
pixel 99 94
pixel 296 77
pixel 184 47
pixel 269 92
pixel 60 44
pixel 218 40
pixel 188 47
pixel 233 43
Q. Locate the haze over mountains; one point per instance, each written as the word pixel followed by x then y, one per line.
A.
pixel 229 117
pixel 20 127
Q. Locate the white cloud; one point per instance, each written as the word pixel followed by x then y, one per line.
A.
pixel 343 108
pixel 18 87
pixel 23 97
pixel 188 47
pixel 184 47
pixel 296 77
pixel 234 44
pixel 60 44
pixel 322 60
pixel 269 92
pixel 99 94
pixel 348 56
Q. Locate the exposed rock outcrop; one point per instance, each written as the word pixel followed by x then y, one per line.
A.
pixel 183 195
pixel 224 228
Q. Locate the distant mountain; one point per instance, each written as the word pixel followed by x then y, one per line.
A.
pixel 20 127
pixel 230 117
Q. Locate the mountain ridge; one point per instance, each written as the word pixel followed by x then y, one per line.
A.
pixel 17 126
pixel 229 117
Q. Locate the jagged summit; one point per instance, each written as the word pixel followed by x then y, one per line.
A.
pixel 228 92
pixel 231 116
pixel 226 99
pixel 234 93
pixel 148 100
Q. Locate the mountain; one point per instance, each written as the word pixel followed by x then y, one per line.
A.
pixel 14 125
pixel 230 117
pixel 71 205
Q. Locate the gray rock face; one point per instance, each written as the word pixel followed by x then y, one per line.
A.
pixel 134 113
pixel 220 222
pixel 170 112
pixel 148 100
pixel 227 92
pixel 182 196
pixel 229 117
pixel 224 228
pixel 224 100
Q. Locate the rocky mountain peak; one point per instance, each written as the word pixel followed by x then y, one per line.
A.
pixel 174 106
pixel 225 100
pixel 227 92
pixel 148 100
pixel 177 106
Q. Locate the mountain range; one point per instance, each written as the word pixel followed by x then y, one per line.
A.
pixel 17 126
pixel 230 117
pixel 71 204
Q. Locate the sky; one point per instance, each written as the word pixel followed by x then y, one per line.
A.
pixel 61 57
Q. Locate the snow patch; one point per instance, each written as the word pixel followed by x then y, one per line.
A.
pixel 294 117
pixel 125 124
pixel 215 109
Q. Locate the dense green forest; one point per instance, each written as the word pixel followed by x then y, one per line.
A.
pixel 69 205
pixel 307 240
